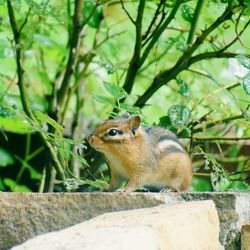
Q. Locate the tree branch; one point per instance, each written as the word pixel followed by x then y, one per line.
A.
pixel 194 21
pixel 221 138
pixel 160 30
pixel 213 54
pixel 129 16
pixel 215 123
pixel 23 90
pixel 185 60
pixel 153 20
pixel 134 62
pixel 74 38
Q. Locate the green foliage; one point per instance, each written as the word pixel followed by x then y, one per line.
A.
pixel 5 158
pixel 81 62
pixel 92 14
pixel 179 115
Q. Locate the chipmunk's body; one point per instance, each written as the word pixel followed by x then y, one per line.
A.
pixel 145 155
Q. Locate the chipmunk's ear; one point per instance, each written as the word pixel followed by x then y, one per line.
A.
pixel 135 122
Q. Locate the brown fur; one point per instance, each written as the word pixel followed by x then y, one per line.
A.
pixel 136 154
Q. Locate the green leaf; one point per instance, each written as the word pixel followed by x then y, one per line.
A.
pixel 220 183
pixel 5 158
pixel 15 125
pixel 130 108
pixel 14 187
pixel 116 91
pixel 34 174
pixel 6 112
pixel 92 14
pixel 187 13
pixel 246 83
pixel 200 184
pixel 184 89
pixel 97 184
pixel 165 121
pixel 244 61
pixel 239 185
pixel 45 118
pixel 179 114
pixel 104 100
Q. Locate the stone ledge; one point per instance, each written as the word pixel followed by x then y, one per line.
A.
pixel 25 215
pixel 190 225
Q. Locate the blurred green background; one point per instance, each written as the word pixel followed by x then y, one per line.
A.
pixel 76 59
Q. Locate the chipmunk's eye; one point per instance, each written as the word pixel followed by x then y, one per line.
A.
pixel 112 132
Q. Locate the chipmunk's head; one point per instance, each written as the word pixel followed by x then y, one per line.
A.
pixel 113 134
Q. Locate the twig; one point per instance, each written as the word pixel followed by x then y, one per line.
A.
pixel 194 21
pixel 153 19
pixel 134 62
pixel 217 122
pixel 23 90
pixel 25 21
pixel 185 60
pixel 129 16
pixel 74 38
pixel 221 138
pixel 155 30
pixel 227 87
pixel 214 54
pixel 160 30
pixel 236 30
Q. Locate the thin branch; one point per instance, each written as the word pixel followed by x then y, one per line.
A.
pixel 129 16
pixel 74 38
pixel 227 87
pixel 214 54
pixel 237 37
pixel 153 19
pixel 20 71
pixel 155 30
pixel 221 138
pixel 194 21
pixel 161 29
pixel 217 122
pixel 236 30
pixel 23 90
pixel 185 60
pixel 25 21
pixel 134 62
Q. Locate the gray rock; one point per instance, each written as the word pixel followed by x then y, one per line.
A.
pixel 25 215
pixel 245 237
pixel 190 225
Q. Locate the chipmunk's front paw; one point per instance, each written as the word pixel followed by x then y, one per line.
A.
pixel 124 190
pixel 169 190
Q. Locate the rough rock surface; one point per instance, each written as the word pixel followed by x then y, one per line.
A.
pixel 245 237
pixel 189 225
pixel 25 215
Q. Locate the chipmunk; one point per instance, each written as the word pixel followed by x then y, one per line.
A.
pixel 147 156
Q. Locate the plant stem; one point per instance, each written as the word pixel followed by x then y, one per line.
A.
pixel 134 62
pixel 160 30
pixel 194 21
pixel 221 138
pixel 185 60
pixel 23 90
pixel 74 38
